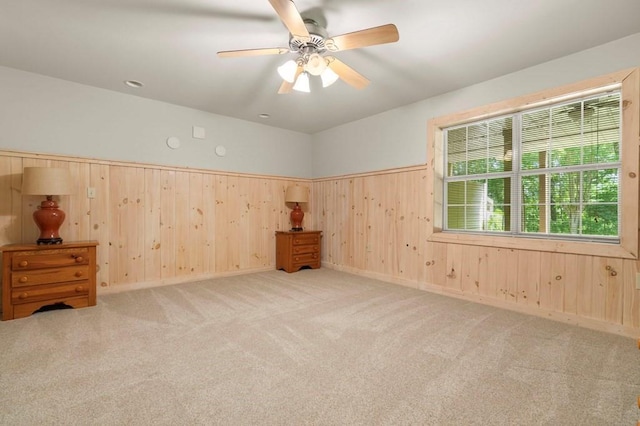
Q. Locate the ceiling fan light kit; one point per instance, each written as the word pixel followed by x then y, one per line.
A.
pixel 309 40
pixel 288 70
pixel 328 77
pixel 302 83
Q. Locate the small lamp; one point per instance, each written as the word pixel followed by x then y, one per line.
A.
pixel 48 181
pixel 297 194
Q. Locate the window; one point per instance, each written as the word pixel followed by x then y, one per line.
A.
pixel 551 171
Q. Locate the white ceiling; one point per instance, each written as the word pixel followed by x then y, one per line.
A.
pixel 171 45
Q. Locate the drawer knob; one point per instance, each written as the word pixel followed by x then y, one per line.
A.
pixel 23 295
pixel 79 289
pixel 79 259
pixel 23 279
pixel 78 273
pixel 23 263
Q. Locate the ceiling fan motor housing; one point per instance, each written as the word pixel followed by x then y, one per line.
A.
pixel 316 42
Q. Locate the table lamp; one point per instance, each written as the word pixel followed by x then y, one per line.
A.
pixel 297 194
pixel 48 181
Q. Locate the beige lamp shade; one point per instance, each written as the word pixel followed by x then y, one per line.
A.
pixel 297 194
pixel 46 181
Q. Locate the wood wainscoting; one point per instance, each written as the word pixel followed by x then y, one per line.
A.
pixel 155 225
pixel 375 224
pixel 161 225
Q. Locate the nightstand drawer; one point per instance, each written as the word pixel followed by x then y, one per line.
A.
pixel 305 249
pixel 34 294
pixel 304 258
pixel 306 239
pixel 52 259
pixel 46 276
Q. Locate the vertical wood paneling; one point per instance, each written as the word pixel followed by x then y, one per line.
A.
pixel 157 224
pixel 234 196
pixel 127 233
pixel 552 277
pixel 196 238
pixel 599 288
pixel 11 217
pixel 100 220
pixel 222 228
pixel 152 232
pixel 454 267
pixel 585 283
pixel 631 308
pixel 167 223
pixel 357 237
pixel 496 277
pixel 613 309
pixel 182 224
pixel 209 223
pixel 528 278
pixel 391 246
pixel 437 265
pixel 570 284
pixel 76 226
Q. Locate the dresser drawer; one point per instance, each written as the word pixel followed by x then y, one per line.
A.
pixel 304 258
pixel 305 249
pixel 306 239
pixel 47 292
pixel 53 258
pixel 46 276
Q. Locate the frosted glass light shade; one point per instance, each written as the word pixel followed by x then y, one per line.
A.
pixel 328 77
pixel 288 70
pixel 316 64
pixel 302 83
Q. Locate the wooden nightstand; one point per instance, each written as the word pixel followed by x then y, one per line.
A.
pixel 34 276
pixel 295 249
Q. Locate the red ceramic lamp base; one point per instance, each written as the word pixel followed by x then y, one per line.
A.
pixel 296 218
pixel 49 218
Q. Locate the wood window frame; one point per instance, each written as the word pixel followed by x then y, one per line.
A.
pixel 628 82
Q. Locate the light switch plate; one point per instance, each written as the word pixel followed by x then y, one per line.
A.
pixel 637 280
pixel 91 192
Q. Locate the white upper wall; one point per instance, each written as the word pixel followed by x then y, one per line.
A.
pixel 46 115
pixel 398 138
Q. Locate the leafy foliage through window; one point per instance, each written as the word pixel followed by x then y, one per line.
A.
pixel 553 171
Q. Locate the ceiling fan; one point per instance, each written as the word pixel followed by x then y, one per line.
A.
pixel 309 40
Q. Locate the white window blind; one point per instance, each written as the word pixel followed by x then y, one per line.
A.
pixel 547 172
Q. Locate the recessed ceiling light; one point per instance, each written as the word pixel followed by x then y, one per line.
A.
pixel 133 83
pixel 265 116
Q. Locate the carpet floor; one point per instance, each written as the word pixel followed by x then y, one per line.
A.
pixel 317 347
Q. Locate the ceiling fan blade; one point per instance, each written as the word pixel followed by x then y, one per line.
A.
pixel 287 87
pixel 369 37
pixel 348 74
pixel 253 52
pixel 291 18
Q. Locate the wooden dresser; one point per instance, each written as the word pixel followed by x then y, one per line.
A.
pixel 34 276
pixel 295 249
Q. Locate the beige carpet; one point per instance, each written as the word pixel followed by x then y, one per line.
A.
pixel 317 347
